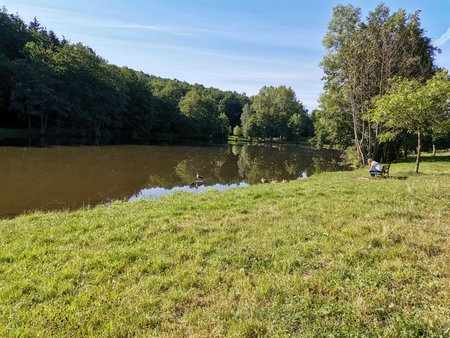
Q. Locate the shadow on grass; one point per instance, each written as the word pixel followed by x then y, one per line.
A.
pixel 363 178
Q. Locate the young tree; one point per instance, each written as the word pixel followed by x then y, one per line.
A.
pixel 413 106
pixel 237 131
pixel 223 126
pixel 247 111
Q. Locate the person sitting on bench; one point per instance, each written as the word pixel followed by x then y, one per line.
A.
pixel 375 167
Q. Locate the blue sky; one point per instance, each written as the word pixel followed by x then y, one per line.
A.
pixel 238 45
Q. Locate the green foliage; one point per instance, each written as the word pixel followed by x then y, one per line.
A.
pixel 362 55
pixel 237 131
pixel 223 124
pixel 247 111
pixel 276 112
pixel 231 105
pixel 201 113
pixel 13 35
pixel 251 128
pixel 413 106
pixel 54 85
pixel 315 257
pixel 350 156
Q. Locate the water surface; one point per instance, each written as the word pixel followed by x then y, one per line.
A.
pixel 69 177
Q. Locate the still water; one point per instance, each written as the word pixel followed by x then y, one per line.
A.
pixel 68 177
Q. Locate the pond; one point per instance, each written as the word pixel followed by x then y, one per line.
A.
pixel 70 177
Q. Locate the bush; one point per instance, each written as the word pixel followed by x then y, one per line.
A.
pixel 237 131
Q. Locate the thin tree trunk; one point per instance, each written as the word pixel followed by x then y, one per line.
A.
pixel 359 151
pixel 44 123
pixel 434 149
pixel 357 142
pixel 419 146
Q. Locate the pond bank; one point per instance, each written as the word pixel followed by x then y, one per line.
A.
pixel 334 254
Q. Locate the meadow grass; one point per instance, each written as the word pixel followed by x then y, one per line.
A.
pixel 336 254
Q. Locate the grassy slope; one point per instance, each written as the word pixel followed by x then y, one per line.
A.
pixel 334 254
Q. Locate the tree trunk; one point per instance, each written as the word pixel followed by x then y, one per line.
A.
pixel 419 148
pixel 434 149
pixel 58 125
pixel 359 151
pixel 44 119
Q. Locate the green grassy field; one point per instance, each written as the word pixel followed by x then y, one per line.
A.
pixel 337 254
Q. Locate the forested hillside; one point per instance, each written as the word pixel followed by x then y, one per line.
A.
pixel 55 87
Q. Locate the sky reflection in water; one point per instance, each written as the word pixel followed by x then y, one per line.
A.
pixel 158 192
pixel 154 193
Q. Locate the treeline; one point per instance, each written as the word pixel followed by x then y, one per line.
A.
pixel 366 60
pixel 57 87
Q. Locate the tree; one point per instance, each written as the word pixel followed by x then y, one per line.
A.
pixel 237 131
pixel 247 111
pixel 361 57
pixel 299 125
pixel 13 35
pixel 413 106
pixel 201 112
pixel 223 126
pixel 440 132
pixel 231 105
pixel 273 111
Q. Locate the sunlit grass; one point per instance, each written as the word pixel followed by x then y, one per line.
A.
pixel 336 254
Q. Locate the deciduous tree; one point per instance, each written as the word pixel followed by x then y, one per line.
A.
pixel 413 106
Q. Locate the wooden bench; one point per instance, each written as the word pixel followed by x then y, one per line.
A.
pixel 384 171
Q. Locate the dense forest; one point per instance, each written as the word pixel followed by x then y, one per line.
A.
pixel 55 87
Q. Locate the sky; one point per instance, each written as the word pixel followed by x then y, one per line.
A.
pixel 237 45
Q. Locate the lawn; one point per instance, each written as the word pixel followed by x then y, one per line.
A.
pixel 337 254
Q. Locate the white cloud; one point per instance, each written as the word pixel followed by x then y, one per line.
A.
pixel 443 38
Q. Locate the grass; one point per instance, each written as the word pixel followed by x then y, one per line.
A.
pixel 337 254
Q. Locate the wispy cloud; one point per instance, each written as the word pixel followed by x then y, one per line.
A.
pixel 144 27
pixel 443 38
